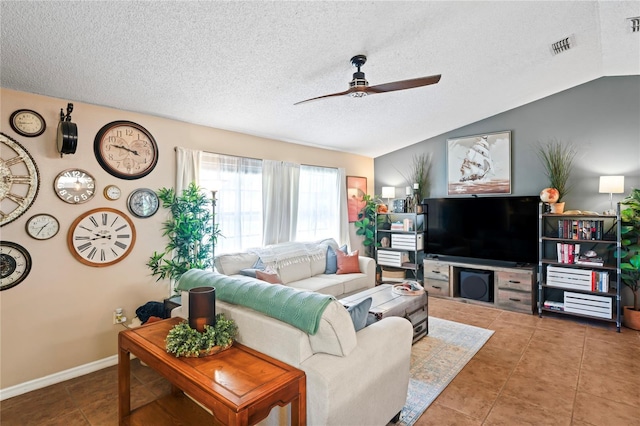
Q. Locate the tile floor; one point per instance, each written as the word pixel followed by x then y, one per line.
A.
pixel 533 371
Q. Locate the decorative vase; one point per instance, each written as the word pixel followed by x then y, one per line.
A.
pixel 557 208
pixel 202 307
pixel 631 318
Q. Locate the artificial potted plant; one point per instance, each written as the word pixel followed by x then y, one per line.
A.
pixel 630 255
pixel 191 231
pixel 366 223
pixel 418 174
pixel 557 159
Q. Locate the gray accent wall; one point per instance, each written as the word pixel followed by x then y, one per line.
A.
pixel 601 117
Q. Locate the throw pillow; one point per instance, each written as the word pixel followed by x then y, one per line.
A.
pixel 332 261
pixel 268 276
pixel 251 272
pixel 359 313
pixel 348 263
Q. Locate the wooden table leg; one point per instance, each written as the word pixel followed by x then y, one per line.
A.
pixel 124 385
pixel 299 404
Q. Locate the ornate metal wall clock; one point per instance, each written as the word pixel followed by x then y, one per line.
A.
pixel 19 180
pixel 67 137
pixel 126 150
pixel 101 237
pixel 15 264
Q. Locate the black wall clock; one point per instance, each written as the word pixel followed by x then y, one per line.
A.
pixel 19 180
pixel 126 150
pixel 15 264
pixel 67 139
pixel 27 123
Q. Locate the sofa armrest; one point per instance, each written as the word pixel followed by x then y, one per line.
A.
pixel 368 267
pixel 370 384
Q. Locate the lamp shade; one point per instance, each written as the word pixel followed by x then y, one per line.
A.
pixel 202 307
pixel 388 192
pixel 611 184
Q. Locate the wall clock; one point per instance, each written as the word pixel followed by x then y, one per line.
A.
pixel 27 123
pixel 42 226
pixel 112 192
pixel 15 264
pixel 74 186
pixel 67 137
pixel 143 203
pixel 19 180
pixel 101 237
pixel 126 150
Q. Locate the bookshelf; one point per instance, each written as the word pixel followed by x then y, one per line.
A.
pixel 571 283
pixel 400 241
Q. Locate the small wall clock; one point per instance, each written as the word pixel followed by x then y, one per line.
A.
pixel 112 192
pixel 143 203
pixel 42 226
pixel 19 180
pixel 15 264
pixel 74 186
pixel 27 123
pixel 67 137
pixel 126 150
pixel 101 237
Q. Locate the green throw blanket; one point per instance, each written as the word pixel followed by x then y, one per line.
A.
pixel 301 309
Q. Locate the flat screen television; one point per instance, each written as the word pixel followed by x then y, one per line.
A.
pixel 491 230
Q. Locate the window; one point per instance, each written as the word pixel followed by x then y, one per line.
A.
pixel 239 204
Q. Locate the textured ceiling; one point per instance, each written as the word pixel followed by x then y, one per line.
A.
pixel 242 65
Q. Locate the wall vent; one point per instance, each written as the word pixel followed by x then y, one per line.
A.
pixel 634 24
pixel 562 45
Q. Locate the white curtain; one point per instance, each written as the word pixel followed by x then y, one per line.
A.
pixel 187 168
pixel 344 209
pixel 280 182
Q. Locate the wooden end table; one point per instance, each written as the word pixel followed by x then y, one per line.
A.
pixel 239 386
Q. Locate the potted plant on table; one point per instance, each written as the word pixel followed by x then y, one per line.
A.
pixel 630 255
pixel 557 159
pixel 191 231
pixel 418 179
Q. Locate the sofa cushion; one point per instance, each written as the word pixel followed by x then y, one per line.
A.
pixel 295 270
pixel 332 259
pixel 268 276
pixel 359 313
pixel 347 263
pixel 321 284
pixel 233 263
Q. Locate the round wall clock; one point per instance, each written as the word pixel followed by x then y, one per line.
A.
pixel 143 203
pixel 112 192
pixel 15 264
pixel 101 237
pixel 42 226
pixel 19 180
pixel 126 150
pixel 74 186
pixel 27 123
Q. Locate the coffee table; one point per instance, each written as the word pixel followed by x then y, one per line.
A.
pixel 239 386
pixel 386 303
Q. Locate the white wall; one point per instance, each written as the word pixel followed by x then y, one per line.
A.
pixel 60 316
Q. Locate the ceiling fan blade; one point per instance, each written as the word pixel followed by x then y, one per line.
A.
pixel 404 84
pixel 346 92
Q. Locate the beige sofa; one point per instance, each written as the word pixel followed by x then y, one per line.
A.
pixel 353 378
pixel 303 266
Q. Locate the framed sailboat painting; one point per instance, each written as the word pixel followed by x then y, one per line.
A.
pixel 479 164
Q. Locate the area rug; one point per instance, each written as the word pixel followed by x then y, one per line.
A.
pixel 436 359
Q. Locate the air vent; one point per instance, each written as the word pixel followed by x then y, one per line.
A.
pixel 563 45
pixel 634 24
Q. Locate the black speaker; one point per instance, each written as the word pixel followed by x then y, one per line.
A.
pixel 476 285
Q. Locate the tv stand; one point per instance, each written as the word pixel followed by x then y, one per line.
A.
pixel 511 286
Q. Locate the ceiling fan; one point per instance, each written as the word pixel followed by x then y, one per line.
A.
pixel 359 86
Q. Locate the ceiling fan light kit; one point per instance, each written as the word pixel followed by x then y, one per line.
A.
pixel 359 86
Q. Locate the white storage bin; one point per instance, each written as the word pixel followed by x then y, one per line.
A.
pixel 588 304
pixel 407 241
pixel 392 258
pixel 574 279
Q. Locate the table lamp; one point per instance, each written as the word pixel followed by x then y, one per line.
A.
pixel 611 185
pixel 388 192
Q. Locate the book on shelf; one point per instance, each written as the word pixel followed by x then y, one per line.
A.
pixel 572 229
pixel 567 252
pixel 553 305
pixel 589 261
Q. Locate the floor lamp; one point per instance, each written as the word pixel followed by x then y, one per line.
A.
pixel 213 229
pixel 611 185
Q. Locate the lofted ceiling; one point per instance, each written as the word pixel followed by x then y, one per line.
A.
pixel 241 66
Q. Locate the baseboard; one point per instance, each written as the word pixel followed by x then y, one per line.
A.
pixel 52 379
